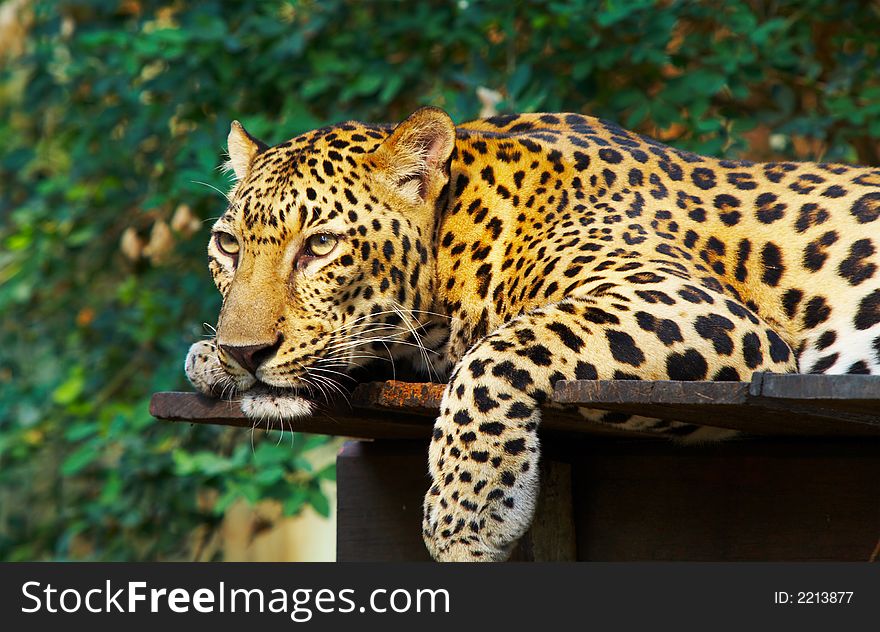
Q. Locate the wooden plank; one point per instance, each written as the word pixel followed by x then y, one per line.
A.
pixel 636 392
pixel 855 399
pixel 379 410
pixel 817 387
pixel 195 408
pixel 775 405
pixel 421 399
pixel 801 405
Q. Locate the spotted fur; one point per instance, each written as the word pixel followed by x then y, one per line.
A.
pixel 516 251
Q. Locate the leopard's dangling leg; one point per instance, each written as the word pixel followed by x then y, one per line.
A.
pixel 484 453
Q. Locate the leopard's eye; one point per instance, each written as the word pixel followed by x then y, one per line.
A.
pixel 227 244
pixel 321 244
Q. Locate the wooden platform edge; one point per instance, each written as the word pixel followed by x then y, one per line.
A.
pixel 199 409
pixel 771 404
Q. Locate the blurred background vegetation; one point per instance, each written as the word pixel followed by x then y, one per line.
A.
pixel 113 116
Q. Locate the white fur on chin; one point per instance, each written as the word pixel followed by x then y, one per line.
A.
pixel 261 404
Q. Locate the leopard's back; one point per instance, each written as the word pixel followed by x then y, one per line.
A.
pixel 543 199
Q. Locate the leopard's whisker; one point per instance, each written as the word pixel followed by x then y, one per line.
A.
pixel 211 186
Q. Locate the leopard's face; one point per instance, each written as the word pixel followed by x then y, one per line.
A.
pixel 324 253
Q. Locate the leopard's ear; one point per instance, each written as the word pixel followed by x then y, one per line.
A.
pixel 242 148
pixel 415 158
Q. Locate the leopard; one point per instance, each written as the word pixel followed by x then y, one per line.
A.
pixel 505 254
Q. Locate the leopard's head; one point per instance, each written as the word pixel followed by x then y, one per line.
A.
pixel 324 254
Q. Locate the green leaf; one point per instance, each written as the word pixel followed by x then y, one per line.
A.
pixel 327 473
pixel 269 453
pixel 319 502
pixel 201 463
pixel 391 87
pixel 112 489
pixel 294 503
pixel 67 392
pixel 81 430
pixel 80 458
pixel 269 475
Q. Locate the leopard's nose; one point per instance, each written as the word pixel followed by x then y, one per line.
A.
pixel 250 357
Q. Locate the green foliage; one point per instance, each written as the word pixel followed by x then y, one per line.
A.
pixel 118 111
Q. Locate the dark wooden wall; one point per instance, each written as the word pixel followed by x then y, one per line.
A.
pixel 767 500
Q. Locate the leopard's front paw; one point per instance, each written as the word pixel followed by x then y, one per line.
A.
pixel 460 530
pixel 466 550
pixel 203 370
